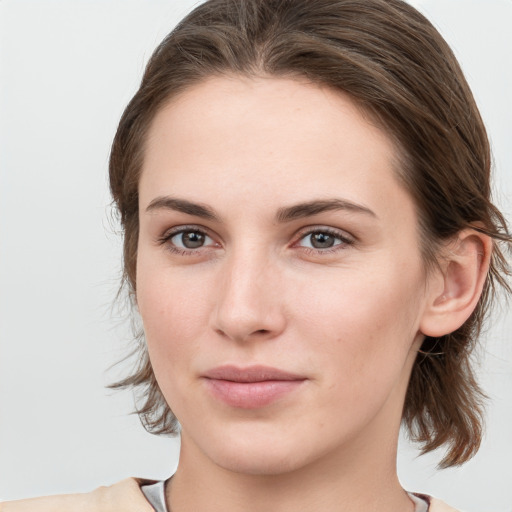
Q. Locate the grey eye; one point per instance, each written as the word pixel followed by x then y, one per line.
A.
pixel 190 239
pixel 322 240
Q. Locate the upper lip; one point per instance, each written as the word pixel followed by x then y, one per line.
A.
pixel 255 373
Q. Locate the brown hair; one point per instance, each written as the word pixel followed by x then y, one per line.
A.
pixel 398 69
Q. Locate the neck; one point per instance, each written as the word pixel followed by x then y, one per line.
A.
pixel 360 478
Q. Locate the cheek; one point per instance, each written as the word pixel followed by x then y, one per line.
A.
pixel 363 326
pixel 173 318
pixel 174 312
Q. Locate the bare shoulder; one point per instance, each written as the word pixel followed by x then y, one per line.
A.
pixel 438 506
pixel 124 495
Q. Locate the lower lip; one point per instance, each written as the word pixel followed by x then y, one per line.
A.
pixel 251 395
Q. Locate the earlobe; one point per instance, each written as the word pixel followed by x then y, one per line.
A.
pixel 459 282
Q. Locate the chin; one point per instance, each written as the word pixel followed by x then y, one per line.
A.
pixel 259 462
pixel 261 452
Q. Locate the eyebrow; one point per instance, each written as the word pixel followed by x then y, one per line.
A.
pixel 310 208
pixel 285 214
pixel 183 206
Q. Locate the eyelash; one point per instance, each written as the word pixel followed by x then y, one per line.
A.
pixel 168 235
pixel 345 241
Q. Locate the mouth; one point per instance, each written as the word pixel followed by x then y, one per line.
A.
pixel 251 387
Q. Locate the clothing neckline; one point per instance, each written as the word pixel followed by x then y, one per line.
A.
pixel 155 494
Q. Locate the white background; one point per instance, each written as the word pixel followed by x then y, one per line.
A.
pixel 67 69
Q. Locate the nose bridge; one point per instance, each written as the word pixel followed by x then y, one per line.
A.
pixel 247 303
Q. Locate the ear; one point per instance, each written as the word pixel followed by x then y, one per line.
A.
pixel 456 287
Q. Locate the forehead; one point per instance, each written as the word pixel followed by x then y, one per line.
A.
pixel 266 138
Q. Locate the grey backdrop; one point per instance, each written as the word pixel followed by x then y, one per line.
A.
pixel 67 69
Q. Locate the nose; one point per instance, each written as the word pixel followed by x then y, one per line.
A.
pixel 250 302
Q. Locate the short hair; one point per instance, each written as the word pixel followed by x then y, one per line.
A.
pixel 398 69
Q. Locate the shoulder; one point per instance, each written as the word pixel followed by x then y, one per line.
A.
pixel 438 506
pixel 125 495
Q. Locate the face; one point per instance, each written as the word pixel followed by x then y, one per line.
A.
pixel 279 273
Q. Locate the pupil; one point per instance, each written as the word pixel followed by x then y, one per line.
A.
pixel 322 240
pixel 192 239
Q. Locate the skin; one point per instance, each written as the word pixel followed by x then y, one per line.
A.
pixel 348 319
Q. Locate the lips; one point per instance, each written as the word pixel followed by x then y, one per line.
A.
pixel 252 387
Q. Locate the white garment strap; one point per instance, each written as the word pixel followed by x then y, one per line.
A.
pixel 155 494
pixel 420 504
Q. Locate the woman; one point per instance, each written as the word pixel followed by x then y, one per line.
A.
pixel 310 242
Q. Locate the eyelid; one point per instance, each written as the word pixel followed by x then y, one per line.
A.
pixel 168 234
pixel 336 232
pixel 346 239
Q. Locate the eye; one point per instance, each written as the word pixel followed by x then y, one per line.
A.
pixel 186 240
pixel 190 239
pixel 324 239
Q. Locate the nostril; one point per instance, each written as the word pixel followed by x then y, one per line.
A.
pixel 259 332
